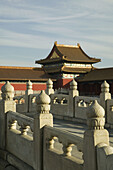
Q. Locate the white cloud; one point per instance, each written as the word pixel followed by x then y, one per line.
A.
pixel 37 24
pixel 9 38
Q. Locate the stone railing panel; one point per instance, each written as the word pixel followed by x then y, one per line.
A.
pixel 59 99
pixel 81 104
pixel 63 137
pixel 59 104
pixel 19 131
pixel 19 99
pixel 104 157
pixel 59 148
pixel 20 103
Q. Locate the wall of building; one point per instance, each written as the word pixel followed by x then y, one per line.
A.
pixel 93 88
pixel 62 83
pixel 90 88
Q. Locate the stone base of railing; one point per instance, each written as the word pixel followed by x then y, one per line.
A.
pixel 3 157
pixel 9 161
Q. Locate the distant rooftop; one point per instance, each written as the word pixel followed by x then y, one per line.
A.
pixel 98 75
pixel 22 73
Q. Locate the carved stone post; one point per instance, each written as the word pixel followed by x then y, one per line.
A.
pixel 27 97
pixel 6 104
pixel 49 89
pixel 73 92
pixel 104 95
pixel 41 119
pixel 94 135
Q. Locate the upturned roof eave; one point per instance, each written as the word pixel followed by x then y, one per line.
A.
pixel 26 79
pixel 47 61
pixel 44 61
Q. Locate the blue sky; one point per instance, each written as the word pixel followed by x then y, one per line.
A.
pixel 29 28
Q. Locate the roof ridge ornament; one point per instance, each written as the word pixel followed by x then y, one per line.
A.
pixel 78 44
pixel 55 43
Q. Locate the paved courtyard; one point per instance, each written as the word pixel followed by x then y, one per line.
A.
pixel 76 128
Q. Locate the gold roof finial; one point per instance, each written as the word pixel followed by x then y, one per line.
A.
pixel 78 44
pixel 55 43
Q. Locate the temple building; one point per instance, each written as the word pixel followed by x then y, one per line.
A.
pixel 66 62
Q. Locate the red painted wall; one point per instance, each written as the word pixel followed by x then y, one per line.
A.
pixel 22 86
pixel 39 86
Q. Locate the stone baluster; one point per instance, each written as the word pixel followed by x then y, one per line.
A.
pixel 24 129
pixel 54 100
pixel 49 89
pixel 104 95
pixel 27 96
pixel 12 124
pixel 94 135
pixel 62 101
pixel 6 104
pixel 19 101
pixel 41 119
pixel 51 143
pixel 67 149
pixel 73 92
